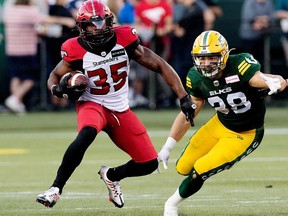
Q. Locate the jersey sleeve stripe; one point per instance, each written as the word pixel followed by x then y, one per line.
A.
pixel 188 83
pixel 241 64
pixel 243 67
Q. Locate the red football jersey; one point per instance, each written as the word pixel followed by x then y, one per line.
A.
pixel 106 66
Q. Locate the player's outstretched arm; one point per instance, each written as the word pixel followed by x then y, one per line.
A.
pixel 179 128
pixel 152 61
pixel 155 63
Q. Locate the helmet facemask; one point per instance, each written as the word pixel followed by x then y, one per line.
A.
pixel 210 70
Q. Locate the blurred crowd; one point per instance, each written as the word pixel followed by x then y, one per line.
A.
pixel 35 29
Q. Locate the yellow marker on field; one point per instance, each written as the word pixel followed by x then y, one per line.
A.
pixel 9 151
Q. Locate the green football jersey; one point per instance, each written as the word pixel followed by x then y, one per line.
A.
pixel 239 106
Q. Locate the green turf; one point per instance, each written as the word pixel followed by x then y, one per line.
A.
pixel 258 185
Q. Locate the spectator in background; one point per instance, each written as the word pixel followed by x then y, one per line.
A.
pixel 114 6
pixel 54 42
pixel 21 50
pixel 214 7
pixel 281 13
pixel 21 38
pixel 126 13
pixel 73 6
pixel 191 17
pixel 138 74
pixel 154 19
pixel 154 23
pixel 256 18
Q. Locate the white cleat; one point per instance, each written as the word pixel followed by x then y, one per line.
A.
pixel 49 197
pixel 115 193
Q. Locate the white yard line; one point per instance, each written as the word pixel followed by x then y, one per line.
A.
pixel 152 133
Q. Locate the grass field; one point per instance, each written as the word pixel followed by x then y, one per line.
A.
pixel 31 149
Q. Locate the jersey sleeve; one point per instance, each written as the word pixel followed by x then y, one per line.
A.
pixel 192 78
pixel 72 52
pixel 128 38
pixel 246 65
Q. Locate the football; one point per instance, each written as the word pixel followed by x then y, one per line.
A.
pixel 77 79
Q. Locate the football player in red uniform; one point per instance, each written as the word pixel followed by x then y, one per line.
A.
pixel 103 53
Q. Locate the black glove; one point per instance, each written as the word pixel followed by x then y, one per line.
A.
pixel 63 91
pixel 188 108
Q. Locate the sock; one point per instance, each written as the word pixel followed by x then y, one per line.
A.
pixel 132 169
pixel 191 185
pixel 175 199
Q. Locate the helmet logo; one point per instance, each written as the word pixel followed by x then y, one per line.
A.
pixel 93 8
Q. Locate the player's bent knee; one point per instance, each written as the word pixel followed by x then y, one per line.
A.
pixel 183 170
pixel 194 174
pixel 182 173
pixel 87 134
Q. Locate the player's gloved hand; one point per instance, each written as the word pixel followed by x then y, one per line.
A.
pixel 75 93
pixel 263 92
pixel 188 108
pixel 273 83
pixel 63 91
pixel 164 154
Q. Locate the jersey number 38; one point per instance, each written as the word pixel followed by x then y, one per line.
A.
pixel 237 101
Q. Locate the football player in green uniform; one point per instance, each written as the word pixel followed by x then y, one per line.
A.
pixel 230 84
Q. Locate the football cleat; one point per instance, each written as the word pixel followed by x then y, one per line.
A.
pixel 49 197
pixel 114 189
